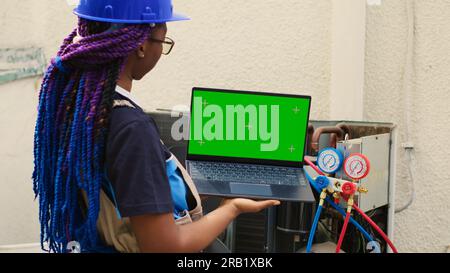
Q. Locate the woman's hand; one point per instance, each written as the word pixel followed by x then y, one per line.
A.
pixel 243 205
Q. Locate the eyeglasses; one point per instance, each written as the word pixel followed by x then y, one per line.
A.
pixel 168 44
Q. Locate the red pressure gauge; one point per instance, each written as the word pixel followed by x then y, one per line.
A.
pixel 357 166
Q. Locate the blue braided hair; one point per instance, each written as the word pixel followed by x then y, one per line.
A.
pixel 75 101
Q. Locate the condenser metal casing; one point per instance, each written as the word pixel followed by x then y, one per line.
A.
pixel 286 228
pixel 376 148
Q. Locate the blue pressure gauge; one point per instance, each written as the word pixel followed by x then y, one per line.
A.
pixel 330 160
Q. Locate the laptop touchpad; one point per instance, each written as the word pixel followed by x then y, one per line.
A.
pixel 250 189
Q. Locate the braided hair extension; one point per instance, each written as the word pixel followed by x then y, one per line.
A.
pixel 75 101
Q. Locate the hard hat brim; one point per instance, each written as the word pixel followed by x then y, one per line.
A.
pixel 175 17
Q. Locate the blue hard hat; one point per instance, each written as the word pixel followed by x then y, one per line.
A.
pixel 128 11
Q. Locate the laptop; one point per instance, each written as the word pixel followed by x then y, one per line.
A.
pixel 248 144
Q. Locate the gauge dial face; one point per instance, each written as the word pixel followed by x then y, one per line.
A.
pixel 357 166
pixel 329 160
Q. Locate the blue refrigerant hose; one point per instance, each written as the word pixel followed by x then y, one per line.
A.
pixel 313 228
pixel 339 209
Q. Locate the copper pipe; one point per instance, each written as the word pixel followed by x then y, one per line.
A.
pixel 309 138
pixel 325 130
pixel 345 128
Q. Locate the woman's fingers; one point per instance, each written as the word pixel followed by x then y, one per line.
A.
pixel 256 206
pixel 268 203
pixel 244 205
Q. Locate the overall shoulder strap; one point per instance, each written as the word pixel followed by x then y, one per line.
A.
pixel 197 212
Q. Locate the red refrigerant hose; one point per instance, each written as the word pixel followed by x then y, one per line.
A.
pixel 312 165
pixel 344 229
pixel 348 189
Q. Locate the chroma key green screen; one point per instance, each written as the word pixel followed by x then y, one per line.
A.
pixel 248 125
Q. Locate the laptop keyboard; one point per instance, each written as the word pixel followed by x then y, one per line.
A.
pixel 247 173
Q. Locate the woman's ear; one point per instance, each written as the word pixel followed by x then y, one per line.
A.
pixel 141 51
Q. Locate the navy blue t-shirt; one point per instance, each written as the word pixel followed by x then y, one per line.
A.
pixel 136 163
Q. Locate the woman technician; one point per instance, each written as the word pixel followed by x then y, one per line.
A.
pixel 104 179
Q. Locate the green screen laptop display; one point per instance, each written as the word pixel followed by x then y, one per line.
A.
pixel 248 125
